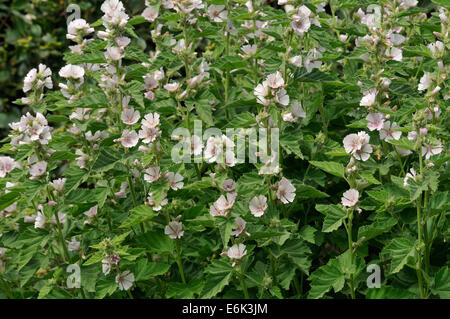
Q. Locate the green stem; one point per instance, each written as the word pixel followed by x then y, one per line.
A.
pixel 350 247
pixel 180 265
pixel 241 278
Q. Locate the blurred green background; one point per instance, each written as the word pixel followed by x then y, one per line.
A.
pixel 33 32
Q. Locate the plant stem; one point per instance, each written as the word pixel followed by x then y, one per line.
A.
pixel 350 248
pixel 241 278
pixel 180 265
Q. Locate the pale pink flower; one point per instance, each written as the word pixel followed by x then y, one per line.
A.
pixel 149 134
pixel 249 50
pixel 38 169
pixel 261 92
pixel 40 220
pixel 275 80
pixel 150 120
pixel 82 160
pixel 129 138
pixel 172 87
pixel 412 175
pixel 350 198
pixel 73 245
pixel 425 82
pixel 174 230
pixel 175 180
pixel 376 121
pixel 225 203
pixel 286 191
pixel 258 205
pixel 369 97
pixel 72 71
pixel 92 212
pixel 150 14
pixel 130 116
pixel 389 131
pixel 430 150
pixel 125 280
pixel 229 185
pixel 217 13
pixel 152 202
pixel 152 174
pixel 7 164
pixel 237 251
pixel 240 227
pixel 58 184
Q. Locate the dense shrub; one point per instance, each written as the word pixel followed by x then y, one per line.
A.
pixel 111 182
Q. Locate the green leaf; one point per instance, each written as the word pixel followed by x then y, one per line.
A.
pixel 298 252
pixel 334 216
pixel 307 191
pixel 89 277
pixel 326 277
pixel 388 292
pixel 106 286
pixel 383 223
pixel 8 199
pixel 106 159
pixel 214 285
pixel 290 143
pixel 229 63
pixel 184 291
pixel 441 286
pixel 138 215
pixel 336 169
pixel 400 251
pixel 157 242
pixel 145 270
pixel 403 143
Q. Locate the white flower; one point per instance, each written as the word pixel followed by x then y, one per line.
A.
pixel 297 110
pixel 150 120
pixel 394 53
pixel 174 230
pixel 352 143
pixel 217 13
pixel 301 21
pixel 40 220
pixel 125 280
pixel 61 217
pixel 113 53
pixel 82 160
pixel 152 174
pixel 229 185
pixel 249 50
pixel 122 192
pixel 281 97
pixel 78 26
pixel 402 151
pixel 258 205
pixel 389 132
pixel 152 202
pixel 150 14
pixel 286 191
pixel 425 82
pixel 296 60
pixel 73 245
pixel 350 198
pixel 261 91
pixel 172 87
pixel 430 150
pixel 412 175
pixel 7 164
pixel 240 227
pixel 38 169
pixel 71 71
pixel 311 60
pixel 130 116
pixel 369 97
pixel 275 80
pixel 405 4
pixel 196 145
pixel 215 148
pixel 129 138
pixel 175 180
pixel 366 149
pixel 225 203
pixel 149 134
pixel 58 184
pixel 92 212
pixel 29 79
pixel 376 121
pixel 237 251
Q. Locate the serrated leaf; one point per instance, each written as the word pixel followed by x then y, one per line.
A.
pixel 336 169
pixel 334 216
